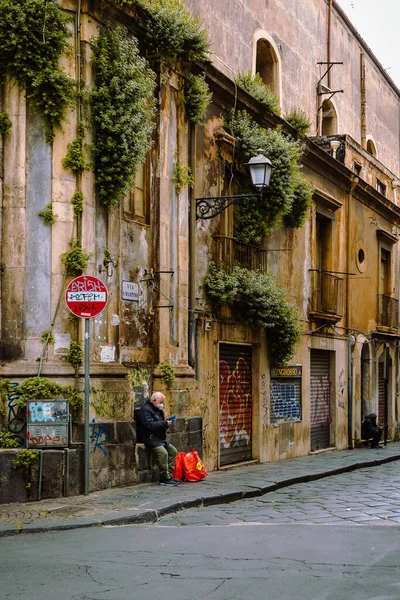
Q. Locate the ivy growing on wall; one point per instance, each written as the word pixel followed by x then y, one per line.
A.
pixel 77 203
pixel 33 37
pixel 35 388
pixel 196 98
pixel 182 176
pixel 171 30
pixel 5 123
pixel 47 214
pixel 75 354
pixel 75 159
pixel 255 86
pixel 75 260
pixel 122 112
pixel 256 218
pixel 257 300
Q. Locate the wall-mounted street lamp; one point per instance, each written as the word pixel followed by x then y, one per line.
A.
pixel 260 172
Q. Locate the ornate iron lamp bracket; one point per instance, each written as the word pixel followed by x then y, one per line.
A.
pixel 207 208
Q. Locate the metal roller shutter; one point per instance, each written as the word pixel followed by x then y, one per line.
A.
pixel 320 410
pixel 235 403
pixel 381 394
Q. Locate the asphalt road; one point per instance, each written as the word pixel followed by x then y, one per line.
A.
pixel 333 539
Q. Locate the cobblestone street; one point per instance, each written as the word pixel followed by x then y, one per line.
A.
pixel 367 496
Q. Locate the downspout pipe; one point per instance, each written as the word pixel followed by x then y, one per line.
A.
pixel 328 42
pixel 192 346
pixel 349 393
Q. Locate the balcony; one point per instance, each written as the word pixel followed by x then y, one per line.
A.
pixel 229 252
pixel 388 312
pixel 327 296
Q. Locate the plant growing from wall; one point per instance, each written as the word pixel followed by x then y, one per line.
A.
pixel 302 201
pixel 5 390
pixel 47 214
pixel 196 98
pixel 298 119
pixel 33 37
pixel 257 300
pixel 5 123
pixel 25 458
pixel 75 159
pixel 47 337
pixel 168 375
pixel 36 388
pixel 75 354
pixel 255 86
pixel 182 176
pixel 171 30
pixel 257 217
pixel 77 203
pixel 8 440
pixel 75 260
pixel 122 112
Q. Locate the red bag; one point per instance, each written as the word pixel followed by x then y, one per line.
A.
pixel 193 468
pixel 178 470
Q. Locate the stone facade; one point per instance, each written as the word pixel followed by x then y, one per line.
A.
pixel 340 269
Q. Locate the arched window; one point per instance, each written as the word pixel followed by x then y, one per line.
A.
pixel 267 62
pixel 371 148
pixel 329 119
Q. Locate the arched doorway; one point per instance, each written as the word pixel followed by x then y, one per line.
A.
pixel 329 119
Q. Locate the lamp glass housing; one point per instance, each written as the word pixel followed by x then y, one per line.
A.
pixel 260 170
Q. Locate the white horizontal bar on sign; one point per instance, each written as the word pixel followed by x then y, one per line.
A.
pixel 86 297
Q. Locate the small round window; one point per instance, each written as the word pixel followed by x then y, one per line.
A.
pixel 360 257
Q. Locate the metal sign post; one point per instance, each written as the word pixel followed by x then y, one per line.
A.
pixel 86 297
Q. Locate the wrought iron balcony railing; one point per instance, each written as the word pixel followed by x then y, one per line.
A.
pixel 388 311
pixel 229 252
pixel 327 293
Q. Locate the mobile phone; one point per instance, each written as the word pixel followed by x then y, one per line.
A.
pixel 171 418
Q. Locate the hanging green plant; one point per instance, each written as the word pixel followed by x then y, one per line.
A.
pixel 196 98
pixel 168 375
pixel 181 177
pixel 122 111
pixel 33 37
pixel 298 119
pixel 75 260
pixel 75 159
pixel 5 124
pixel 256 218
pixel 47 214
pixel 302 201
pixel 257 300
pixel 75 354
pixel 5 390
pixel 36 388
pixel 255 86
pixel 77 203
pixel 171 30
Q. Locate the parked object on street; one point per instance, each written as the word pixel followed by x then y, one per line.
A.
pixel 370 430
pixel 152 426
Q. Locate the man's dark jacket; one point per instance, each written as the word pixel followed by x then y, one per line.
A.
pixel 152 425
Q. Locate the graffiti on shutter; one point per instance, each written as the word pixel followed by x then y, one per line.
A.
pixel 235 403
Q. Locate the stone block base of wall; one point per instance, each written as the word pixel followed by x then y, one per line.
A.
pixel 115 460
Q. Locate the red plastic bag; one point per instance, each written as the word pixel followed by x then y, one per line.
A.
pixel 178 470
pixel 193 468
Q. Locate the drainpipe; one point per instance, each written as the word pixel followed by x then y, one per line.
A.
pixel 363 103
pixel 349 393
pixel 353 184
pixel 40 474
pixel 328 44
pixel 192 350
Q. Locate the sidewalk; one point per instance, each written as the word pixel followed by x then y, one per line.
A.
pixel 146 503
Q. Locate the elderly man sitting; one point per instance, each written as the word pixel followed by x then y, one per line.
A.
pixel 153 432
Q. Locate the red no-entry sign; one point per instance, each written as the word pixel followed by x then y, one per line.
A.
pixel 86 296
